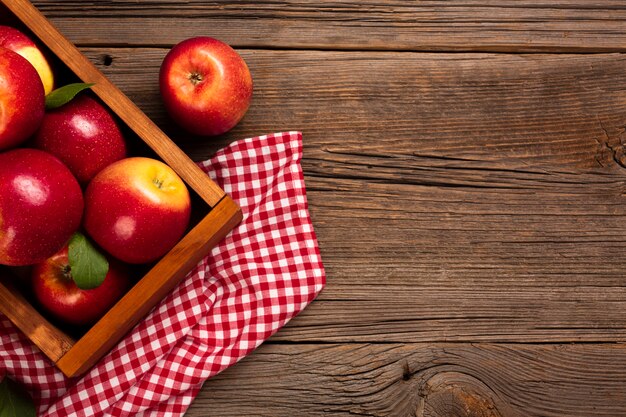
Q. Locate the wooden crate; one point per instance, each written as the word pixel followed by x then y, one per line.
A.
pixel 74 355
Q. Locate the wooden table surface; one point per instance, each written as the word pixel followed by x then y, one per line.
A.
pixel 466 168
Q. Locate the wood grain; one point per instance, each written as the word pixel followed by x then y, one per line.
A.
pixel 458 25
pixel 418 380
pixel 456 197
pixel 491 113
pixel 465 197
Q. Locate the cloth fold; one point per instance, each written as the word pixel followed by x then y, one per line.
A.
pixel 261 275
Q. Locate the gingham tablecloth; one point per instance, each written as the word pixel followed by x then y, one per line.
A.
pixel 265 272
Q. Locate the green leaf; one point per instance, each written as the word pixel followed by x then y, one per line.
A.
pixel 15 401
pixel 65 94
pixel 87 266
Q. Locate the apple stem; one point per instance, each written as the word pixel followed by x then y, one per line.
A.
pixel 158 183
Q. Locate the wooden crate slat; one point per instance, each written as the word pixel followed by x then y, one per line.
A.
pixel 52 341
pixel 153 287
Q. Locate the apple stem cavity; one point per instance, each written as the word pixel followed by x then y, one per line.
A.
pixel 195 78
pixel 158 183
pixel 67 272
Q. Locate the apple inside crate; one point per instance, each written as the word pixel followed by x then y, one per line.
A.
pixel 76 349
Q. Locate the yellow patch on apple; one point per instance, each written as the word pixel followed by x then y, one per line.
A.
pixel 36 58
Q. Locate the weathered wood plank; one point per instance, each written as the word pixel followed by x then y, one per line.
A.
pixel 456 197
pixel 394 25
pixel 419 380
pixel 504 112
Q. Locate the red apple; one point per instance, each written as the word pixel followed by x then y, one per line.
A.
pixel 205 85
pixel 41 205
pixel 137 209
pixel 21 99
pixel 16 41
pixel 83 135
pixel 57 293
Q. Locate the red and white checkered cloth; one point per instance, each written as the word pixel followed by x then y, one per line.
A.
pixel 265 272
